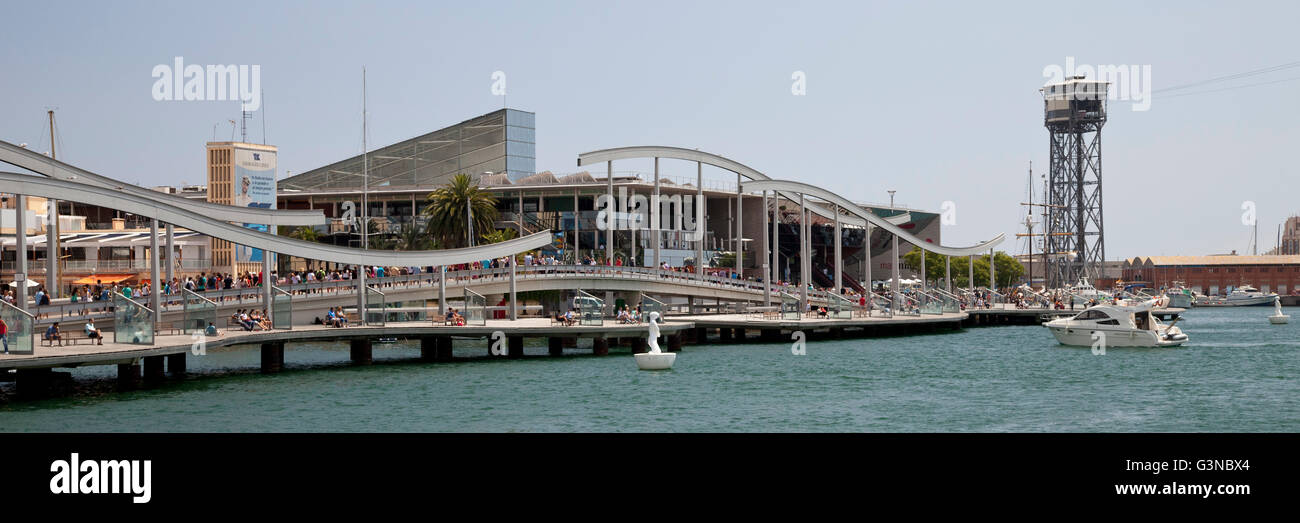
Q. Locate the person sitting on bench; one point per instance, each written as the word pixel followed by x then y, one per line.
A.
pixel 92 332
pixel 568 318
pixel 52 334
pixel 246 321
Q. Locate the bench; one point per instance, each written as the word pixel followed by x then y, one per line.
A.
pixel 558 319
pixel 67 338
pixel 171 327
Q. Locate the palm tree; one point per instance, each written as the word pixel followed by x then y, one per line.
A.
pixel 305 233
pixel 413 238
pixel 498 236
pixel 446 211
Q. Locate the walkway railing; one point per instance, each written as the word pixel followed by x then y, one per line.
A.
pixel 592 309
pixel 376 302
pixel 791 307
pixel 839 307
pixel 282 308
pixel 199 312
pixel 20 337
pixel 132 321
pixel 424 280
pixel 882 304
pixel 649 305
pixel 475 308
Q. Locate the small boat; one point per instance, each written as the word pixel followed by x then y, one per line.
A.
pixel 1240 296
pixel 1180 296
pixel 1117 326
pixel 1278 318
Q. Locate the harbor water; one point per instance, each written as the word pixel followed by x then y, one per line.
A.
pixel 1238 374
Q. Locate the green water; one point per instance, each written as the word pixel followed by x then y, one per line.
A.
pixel 1238 374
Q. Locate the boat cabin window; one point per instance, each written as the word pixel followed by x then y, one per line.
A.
pixel 1142 321
pixel 1109 322
pixel 1092 315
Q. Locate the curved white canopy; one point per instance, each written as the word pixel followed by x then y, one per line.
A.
pixel 692 155
pixel 823 194
pixel 218 228
pixel 46 166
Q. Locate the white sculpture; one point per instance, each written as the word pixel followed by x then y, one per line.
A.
pixel 1278 318
pixel 655 359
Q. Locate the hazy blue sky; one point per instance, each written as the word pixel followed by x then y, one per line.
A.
pixel 936 100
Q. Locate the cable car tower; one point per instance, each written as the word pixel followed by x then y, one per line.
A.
pixel 1074 112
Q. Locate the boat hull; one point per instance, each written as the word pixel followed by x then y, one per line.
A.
pixel 1083 337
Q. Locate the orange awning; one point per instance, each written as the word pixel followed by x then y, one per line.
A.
pixel 103 278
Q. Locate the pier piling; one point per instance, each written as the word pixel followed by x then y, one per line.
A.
pixel 515 347
pixel 153 369
pixel 361 353
pixel 128 376
pixel 555 346
pixel 600 346
pixel 272 357
pixel 176 365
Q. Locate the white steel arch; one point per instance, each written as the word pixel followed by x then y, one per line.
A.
pixel 218 228
pixel 883 223
pixel 46 166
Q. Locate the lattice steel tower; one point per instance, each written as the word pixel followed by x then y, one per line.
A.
pixel 1074 111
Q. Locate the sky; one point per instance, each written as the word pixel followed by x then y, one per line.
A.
pixel 936 100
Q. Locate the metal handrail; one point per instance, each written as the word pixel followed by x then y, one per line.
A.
pixel 191 294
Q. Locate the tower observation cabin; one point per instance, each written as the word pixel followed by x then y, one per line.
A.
pixel 1075 104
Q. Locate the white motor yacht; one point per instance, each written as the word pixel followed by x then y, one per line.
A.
pixel 1249 295
pixel 1118 325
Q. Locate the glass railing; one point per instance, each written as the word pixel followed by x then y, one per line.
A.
pixel 20 327
pixel 881 306
pixel 790 307
pixel 839 307
pixel 949 302
pixel 376 303
pixel 591 308
pixel 908 304
pixel 929 303
pixel 132 321
pixel 475 308
pixel 282 308
pixel 649 305
pixel 199 312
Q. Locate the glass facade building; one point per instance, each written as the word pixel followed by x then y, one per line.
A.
pixel 502 141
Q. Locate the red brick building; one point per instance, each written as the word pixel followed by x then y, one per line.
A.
pixel 1214 275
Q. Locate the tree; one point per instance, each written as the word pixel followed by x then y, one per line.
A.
pixel 1008 269
pixel 497 236
pixel 446 211
pixel 413 237
pixel 305 233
